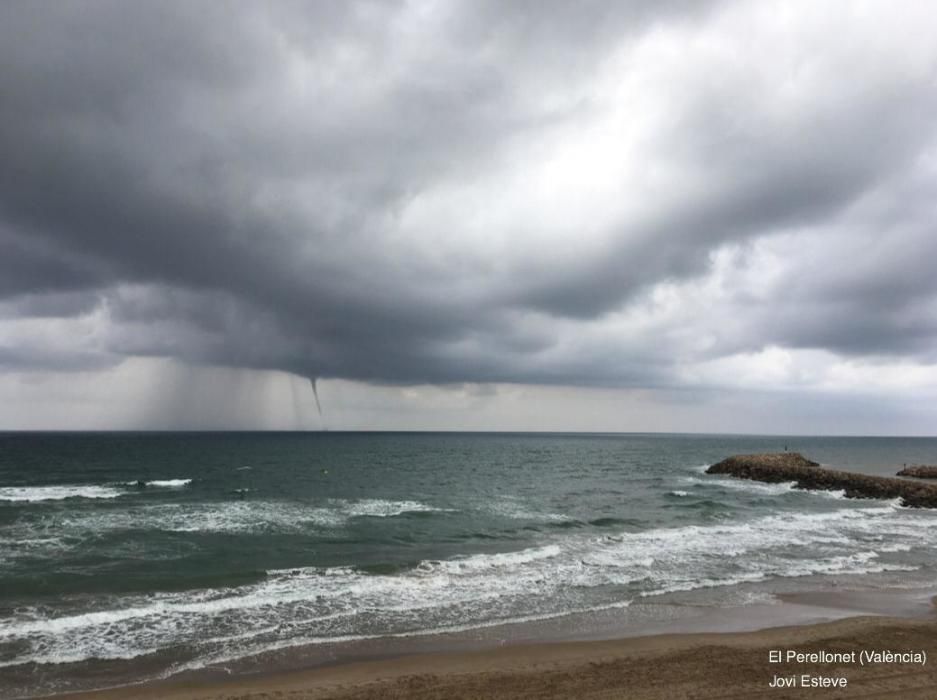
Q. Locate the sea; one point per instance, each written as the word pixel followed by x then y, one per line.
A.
pixel 127 557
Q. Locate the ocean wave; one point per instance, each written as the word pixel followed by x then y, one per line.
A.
pixel 487 562
pixel 761 488
pixel 576 570
pixel 283 516
pixel 516 509
pixel 327 600
pixel 378 508
pixel 837 495
pixel 746 485
pixel 234 516
pixel 224 657
pixel 56 493
pixel 895 547
pixel 61 492
pixel 161 483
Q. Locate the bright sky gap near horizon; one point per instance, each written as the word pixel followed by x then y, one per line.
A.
pixel 602 216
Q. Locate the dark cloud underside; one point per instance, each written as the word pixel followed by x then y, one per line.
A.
pixel 447 192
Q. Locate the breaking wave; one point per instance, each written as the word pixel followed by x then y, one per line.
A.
pixel 162 483
pixel 573 571
pixel 56 493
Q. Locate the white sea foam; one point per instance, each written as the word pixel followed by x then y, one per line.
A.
pixel 256 516
pixel 234 516
pixel 377 508
pixel 224 657
pixel 895 547
pixel 572 571
pixel 487 562
pixel 163 483
pixel 516 509
pixel 751 486
pixel 56 493
pixel 838 495
pixel 758 487
pixel 61 492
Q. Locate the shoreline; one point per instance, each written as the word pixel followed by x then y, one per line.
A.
pixel 532 654
pixel 717 557
pixel 699 665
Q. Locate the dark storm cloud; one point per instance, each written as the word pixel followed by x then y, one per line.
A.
pixel 230 184
pixel 30 265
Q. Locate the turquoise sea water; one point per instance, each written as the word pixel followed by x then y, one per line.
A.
pixel 171 551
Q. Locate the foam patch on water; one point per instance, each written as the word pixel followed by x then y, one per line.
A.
pixel 836 495
pixel 37 494
pixel 516 509
pixel 377 508
pixel 56 493
pixel 762 488
pixel 257 516
pixel 749 485
pixel 163 483
pixel 489 562
pixel 234 516
pixel 225 657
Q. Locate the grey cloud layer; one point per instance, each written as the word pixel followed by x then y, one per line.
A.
pixel 295 185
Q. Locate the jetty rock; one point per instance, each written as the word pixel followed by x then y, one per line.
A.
pixel 739 465
pixel 919 471
pixel 791 466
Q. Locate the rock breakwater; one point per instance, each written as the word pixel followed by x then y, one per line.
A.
pixel 792 466
pixel 919 471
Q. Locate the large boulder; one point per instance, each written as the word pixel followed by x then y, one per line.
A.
pixel 919 471
pixel 772 460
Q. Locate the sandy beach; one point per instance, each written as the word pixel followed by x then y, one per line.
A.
pixel 725 665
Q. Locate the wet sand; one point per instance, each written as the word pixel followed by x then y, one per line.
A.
pixel 700 666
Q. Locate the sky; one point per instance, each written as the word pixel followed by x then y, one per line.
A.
pixel 601 216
